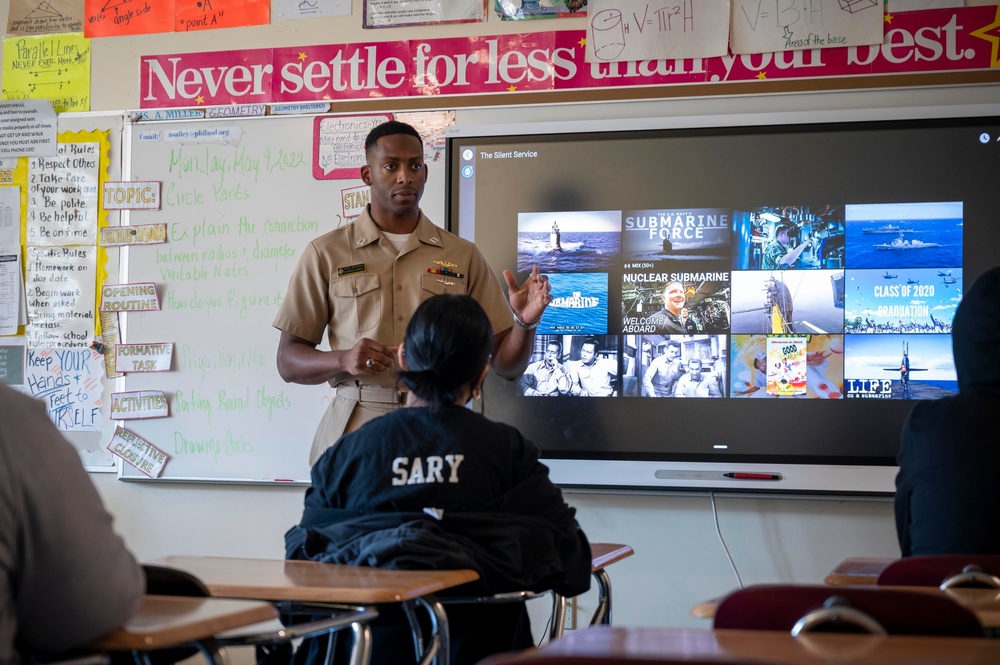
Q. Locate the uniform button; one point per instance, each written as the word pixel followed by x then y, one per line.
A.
pixel 354 290
pixel 399 287
pixel 399 318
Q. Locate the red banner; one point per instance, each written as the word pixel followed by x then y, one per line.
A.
pixel 936 40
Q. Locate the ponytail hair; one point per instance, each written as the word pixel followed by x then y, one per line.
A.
pixel 448 342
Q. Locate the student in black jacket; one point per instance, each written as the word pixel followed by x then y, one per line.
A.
pixel 436 485
pixel 947 494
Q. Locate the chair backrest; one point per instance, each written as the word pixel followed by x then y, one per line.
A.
pixel 780 607
pixel 164 581
pixel 837 616
pixel 937 569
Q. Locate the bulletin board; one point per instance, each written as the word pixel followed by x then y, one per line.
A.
pixel 241 201
pixel 75 400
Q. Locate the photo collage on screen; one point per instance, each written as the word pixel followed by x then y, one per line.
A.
pixel 803 300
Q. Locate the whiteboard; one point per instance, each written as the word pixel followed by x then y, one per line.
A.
pixel 238 216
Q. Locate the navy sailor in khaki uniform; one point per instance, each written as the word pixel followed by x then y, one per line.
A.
pixel 359 284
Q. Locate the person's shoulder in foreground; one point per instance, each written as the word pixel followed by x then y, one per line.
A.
pixel 66 577
pixel 947 497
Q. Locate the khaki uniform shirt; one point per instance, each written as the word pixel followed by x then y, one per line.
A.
pixel 352 283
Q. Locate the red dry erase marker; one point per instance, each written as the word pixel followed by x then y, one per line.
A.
pixel 746 475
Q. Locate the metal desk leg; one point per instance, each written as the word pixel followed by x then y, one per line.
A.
pixel 212 652
pixel 602 615
pixel 558 616
pixel 361 652
pixel 439 646
pixel 415 631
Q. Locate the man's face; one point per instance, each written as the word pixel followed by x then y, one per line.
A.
pixel 673 297
pixel 397 175
pixel 588 354
pixel 551 355
pixel 782 237
pixel 694 370
pixel 672 353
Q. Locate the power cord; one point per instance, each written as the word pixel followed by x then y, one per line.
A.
pixel 718 530
pixel 548 629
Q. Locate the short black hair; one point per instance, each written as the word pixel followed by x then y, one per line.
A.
pixel 388 129
pixel 591 340
pixel 554 342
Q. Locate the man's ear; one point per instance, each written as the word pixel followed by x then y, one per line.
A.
pixel 366 174
pixel 401 358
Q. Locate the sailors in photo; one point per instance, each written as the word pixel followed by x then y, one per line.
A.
pixel 548 376
pixel 777 255
pixel 592 375
pixel 695 383
pixel 671 319
pixel 663 372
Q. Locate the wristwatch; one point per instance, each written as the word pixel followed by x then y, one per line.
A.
pixel 526 326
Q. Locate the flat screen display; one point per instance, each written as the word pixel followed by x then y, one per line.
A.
pixel 736 306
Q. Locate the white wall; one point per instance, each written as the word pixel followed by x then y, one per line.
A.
pixel 679 559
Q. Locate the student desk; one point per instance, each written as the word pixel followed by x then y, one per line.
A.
pixel 984 603
pixel 606 644
pixel 314 582
pixel 857 571
pixel 167 621
pixel 603 555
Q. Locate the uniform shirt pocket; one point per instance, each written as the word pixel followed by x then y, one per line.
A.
pixel 357 303
pixel 438 284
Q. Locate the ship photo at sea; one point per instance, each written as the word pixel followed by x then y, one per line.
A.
pixel 933 237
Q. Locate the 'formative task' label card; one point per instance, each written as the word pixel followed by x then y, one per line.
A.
pixel 144 357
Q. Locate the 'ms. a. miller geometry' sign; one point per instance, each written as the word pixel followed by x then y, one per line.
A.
pixel 938 40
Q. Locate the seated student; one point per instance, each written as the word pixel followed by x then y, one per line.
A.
pixel 436 485
pixel 66 578
pixel 947 495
